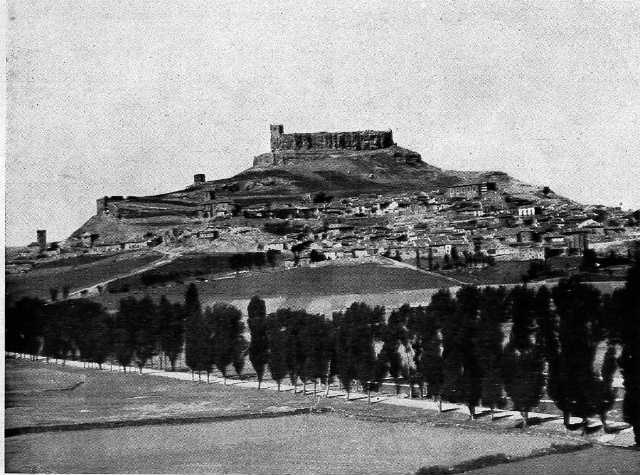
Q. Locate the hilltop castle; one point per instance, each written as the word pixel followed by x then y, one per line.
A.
pixel 296 147
pixel 358 140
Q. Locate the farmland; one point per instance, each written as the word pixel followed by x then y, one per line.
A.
pixel 353 438
pixel 75 273
pixel 300 283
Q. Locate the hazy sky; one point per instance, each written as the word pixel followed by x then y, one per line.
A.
pixel 133 98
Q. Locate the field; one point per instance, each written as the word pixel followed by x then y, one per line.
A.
pixel 75 274
pixel 353 438
pixel 294 444
pixel 298 283
pixel 46 394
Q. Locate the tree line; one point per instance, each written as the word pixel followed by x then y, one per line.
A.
pixel 478 347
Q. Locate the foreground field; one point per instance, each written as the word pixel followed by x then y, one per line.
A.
pixel 593 461
pixel 353 438
pixel 294 444
pixel 39 394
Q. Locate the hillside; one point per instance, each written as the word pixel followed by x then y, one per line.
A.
pixel 280 178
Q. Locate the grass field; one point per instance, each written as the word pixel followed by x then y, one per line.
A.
pixel 299 282
pixel 40 394
pixel 75 274
pixel 354 438
pixel 294 444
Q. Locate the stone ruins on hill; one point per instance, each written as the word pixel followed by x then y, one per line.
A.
pixel 288 148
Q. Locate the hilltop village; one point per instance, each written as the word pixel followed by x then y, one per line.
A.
pixel 463 225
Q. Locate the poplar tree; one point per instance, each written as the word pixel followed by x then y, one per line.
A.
pixel 572 380
pixel 345 351
pixel 171 334
pixel 523 362
pixel 462 370
pixel 98 335
pixel 25 324
pixel 197 344
pixel 277 339
pixel 606 392
pixel 357 331
pixel 123 334
pixel 259 345
pixel 394 334
pixel 315 356
pixel 228 336
pixel 431 366
pixel 145 322
pixel 629 360
pixel 490 335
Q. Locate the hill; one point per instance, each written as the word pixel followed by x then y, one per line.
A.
pixel 342 164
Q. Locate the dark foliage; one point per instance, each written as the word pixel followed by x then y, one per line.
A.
pixel 259 344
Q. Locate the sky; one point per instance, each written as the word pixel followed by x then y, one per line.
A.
pixel 133 98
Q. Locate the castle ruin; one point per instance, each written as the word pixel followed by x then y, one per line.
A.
pixel 358 140
pixel 292 148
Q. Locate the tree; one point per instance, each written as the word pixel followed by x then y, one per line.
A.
pixel 431 362
pixel 53 293
pixel 358 329
pixel 273 257
pixel 235 262
pixel 228 340
pixel 322 197
pixel 462 375
pixel 629 360
pixel 259 345
pixel 546 323
pixel 571 375
pixel 493 309
pixel 313 336
pixel 316 256
pixel 145 330
pixel 58 330
pixel 606 392
pixel 99 336
pixel 394 335
pixel 277 340
pixel 523 358
pixel 589 261
pixel 293 322
pixel 26 325
pixel 197 344
pixel 171 329
pixel 123 334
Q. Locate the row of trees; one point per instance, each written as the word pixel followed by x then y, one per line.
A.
pixel 481 346
pixel 82 329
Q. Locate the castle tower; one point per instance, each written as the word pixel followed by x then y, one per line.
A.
pixel 277 131
pixel 42 239
pixel 198 179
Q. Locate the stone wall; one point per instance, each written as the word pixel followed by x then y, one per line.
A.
pixel 358 140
